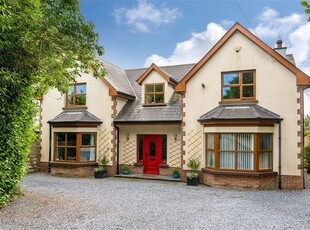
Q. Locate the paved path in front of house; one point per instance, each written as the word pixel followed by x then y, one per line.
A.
pixel 114 203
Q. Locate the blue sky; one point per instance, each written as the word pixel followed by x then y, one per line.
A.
pixel 136 33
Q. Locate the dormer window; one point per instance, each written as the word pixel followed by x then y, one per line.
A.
pixel 76 95
pixel 237 86
pixel 154 94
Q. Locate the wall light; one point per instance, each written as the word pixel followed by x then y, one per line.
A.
pixel 175 137
pixel 237 48
pixel 203 85
pixel 127 136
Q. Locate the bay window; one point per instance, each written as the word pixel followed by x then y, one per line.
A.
pixel 75 147
pixel 239 151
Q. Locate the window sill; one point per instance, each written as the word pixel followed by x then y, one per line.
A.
pixel 72 164
pixel 238 102
pixel 152 105
pixel 75 108
pixel 237 173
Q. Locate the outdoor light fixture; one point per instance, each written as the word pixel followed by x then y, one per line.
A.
pixel 175 137
pixel 237 48
pixel 127 136
pixel 203 85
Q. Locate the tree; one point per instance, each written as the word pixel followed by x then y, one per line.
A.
pixel 43 44
pixel 307 8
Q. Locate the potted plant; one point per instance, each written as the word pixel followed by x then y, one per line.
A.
pixel 101 171
pixel 175 172
pixel 307 158
pixel 126 169
pixel 193 177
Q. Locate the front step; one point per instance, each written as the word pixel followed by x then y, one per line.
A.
pixel 149 177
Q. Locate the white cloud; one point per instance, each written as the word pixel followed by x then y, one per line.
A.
pixel 191 50
pixel 145 15
pixel 271 25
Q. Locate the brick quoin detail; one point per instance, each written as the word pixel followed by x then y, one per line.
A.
pixel 182 130
pixel 300 144
pixel 113 132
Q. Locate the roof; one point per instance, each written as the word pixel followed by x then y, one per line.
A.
pixel 75 117
pixel 134 111
pixel 239 112
pixel 302 79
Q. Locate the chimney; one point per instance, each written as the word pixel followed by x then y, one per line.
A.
pixel 279 42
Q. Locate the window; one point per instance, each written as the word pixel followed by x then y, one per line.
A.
pixel 154 94
pixel 238 85
pixel 76 95
pixel 75 147
pixel 241 152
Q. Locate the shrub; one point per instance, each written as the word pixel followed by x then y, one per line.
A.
pixel 193 164
pixel 307 157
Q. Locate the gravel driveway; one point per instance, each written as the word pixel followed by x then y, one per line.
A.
pixel 115 203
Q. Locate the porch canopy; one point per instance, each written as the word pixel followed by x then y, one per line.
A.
pixel 75 117
pixel 239 114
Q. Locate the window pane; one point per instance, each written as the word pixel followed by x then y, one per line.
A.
pixel 159 88
pixel 164 148
pixel 245 161
pixel 247 78
pixel 159 98
pixel 231 92
pixel 80 99
pixel 81 89
pixel 227 160
pixel 71 154
pixel 149 99
pixel 265 160
pixel 265 142
pixel 71 139
pixel 248 91
pixel 210 159
pixel 231 78
pixel 70 100
pixel 61 139
pixel 227 142
pixel 210 141
pixel 88 139
pixel 70 90
pixel 149 88
pixel 140 150
pixel 246 142
pixel 87 154
pixel 60 153
pixel 152 149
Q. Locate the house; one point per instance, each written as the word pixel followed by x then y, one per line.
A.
pixel 239 111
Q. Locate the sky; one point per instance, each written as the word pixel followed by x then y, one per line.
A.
pixel 136 33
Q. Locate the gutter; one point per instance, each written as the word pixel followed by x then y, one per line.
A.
pixel 50 149
pixel 280 166
pixel 117 149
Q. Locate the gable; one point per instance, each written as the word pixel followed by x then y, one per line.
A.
pixel 301 78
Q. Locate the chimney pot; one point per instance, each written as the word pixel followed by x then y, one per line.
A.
pixel 279 42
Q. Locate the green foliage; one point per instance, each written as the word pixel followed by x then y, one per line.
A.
pixel 125 167
pixel 16 133
pixel 175 170
pixel 43 44
pixel 193 164
pixel 307 8
pixel 192 175
pixel 103 161
pixel 307 157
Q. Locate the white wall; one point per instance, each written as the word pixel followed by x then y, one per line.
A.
pixel 275 90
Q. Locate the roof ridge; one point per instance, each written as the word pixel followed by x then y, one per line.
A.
pixel 127 78
pixel 162 66
pixel 104 61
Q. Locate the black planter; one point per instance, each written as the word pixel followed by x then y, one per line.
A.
pixel 102 174
pixel 308 171
pixel 193 181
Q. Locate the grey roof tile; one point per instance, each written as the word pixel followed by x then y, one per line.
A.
pixel 117 78
pixel 75 117
pixel 238 112
pixel 134 111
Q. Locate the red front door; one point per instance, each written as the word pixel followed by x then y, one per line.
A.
pixel 152 153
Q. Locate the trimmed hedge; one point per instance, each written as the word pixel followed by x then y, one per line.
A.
pixel 16 133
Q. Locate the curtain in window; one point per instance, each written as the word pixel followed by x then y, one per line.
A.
pixel 227 158
pixel 245 159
